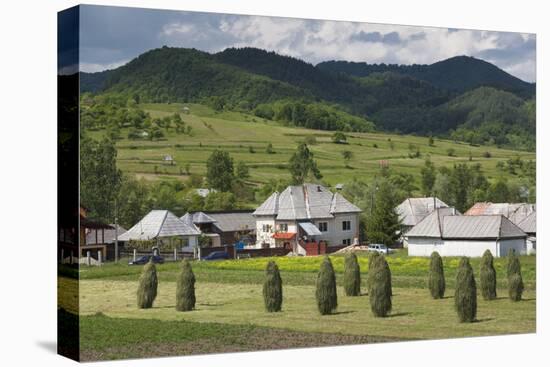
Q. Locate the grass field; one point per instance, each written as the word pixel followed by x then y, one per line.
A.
pixel 237 132
pixel 230 315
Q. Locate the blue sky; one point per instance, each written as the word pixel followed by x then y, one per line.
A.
pixel 112 36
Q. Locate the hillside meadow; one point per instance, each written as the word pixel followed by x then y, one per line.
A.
pixel 246 137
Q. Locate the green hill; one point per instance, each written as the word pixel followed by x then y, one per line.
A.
pixel 459 74
pixel 416 99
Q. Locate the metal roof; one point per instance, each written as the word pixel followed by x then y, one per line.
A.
pixel 307 201
pixel 198 218
pixel 516 212
pixel 443 223
pixel 412 210
pixel 234 221
pixel 310 229
pixel 529 223
pixel 157 224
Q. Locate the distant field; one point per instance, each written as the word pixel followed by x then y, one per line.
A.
pixel 237 132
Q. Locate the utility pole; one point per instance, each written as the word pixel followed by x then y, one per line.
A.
pixel 116 232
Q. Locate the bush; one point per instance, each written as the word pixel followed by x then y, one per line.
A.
pixel 185 292
pixel 380 288
pixel 465 292
pixel 352 275
pixel 325 293
pixel 273 288
pixel 488 277
pixel 515 280
pixel 436 277
pixel 147 288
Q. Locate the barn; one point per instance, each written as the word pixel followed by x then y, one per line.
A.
pixel 452 234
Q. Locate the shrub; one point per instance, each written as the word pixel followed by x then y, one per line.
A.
pixel 325 293
pixel 185 292
pixel 352 275
pixel 465 292
pixel 147 288
pixel 436 277
pixel 488 277
pixel 515 280
pixel 273 288
pixel 380 288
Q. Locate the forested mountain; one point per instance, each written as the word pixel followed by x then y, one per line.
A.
pixel 462 97
pixel 459 74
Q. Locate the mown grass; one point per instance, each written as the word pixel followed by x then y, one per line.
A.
pixel 101 338
pixel 415 314
pixel 236 132
pixel 406 271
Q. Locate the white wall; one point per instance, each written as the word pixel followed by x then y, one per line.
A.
pixel 473 248
pixel 264 237
pixel 335 235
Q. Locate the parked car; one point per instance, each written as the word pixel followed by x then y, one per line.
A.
pixel 142 260
pixel 217 255
pixel 380 248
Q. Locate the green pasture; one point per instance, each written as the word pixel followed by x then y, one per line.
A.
pixel 237 132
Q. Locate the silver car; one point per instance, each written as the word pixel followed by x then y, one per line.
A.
pixel 380 248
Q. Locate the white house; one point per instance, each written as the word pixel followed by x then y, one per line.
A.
pixel 308 211
pixel 529 226
pixel 452 234
pixel 413 210
pixel 163 226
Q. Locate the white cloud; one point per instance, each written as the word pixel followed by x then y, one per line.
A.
pixel 94 67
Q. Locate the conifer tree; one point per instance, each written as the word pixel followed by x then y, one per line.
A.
pixel 273 288
pixel 465 292
pixel 380 287
pixel 515 280
pixel 325 293
pixel 352 275
pixel 436 277
pixel 488 277
pixel 147 288
pixel 185 292
pixel 383 223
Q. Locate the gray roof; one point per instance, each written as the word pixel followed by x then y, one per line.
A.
pixel 307 201
pixel 109 235
pixel 412 210
pixel 529 223
pixel 158 224
pixel 198 218
pixel 516 212
pixel 234 221
pixel 310 229
pixel 444 223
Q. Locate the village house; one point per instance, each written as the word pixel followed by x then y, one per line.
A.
pixel 163 228
pixel 412 210
pixel 516 212
pixel 224 228
pixel 451 234
pixel 529 226
pixel 105 237
pixel 304 214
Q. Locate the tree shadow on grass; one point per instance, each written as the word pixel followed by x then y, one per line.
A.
pixel 482 320
pixel 48 345
pixel 342 312
pixel 398 314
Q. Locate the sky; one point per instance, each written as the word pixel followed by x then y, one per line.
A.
pixel 112 36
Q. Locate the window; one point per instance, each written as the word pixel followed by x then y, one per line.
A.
pixel 346 225
pixel 347 241
pixel 283 227
pixel 323 226
pixel 266 228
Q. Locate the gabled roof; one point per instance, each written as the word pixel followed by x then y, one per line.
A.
pixel 446 224
pixel 234 221
pixel 516 212
pixel 158 224
pixel 198 218
pixel 529 223
pixel 412 210
pixel 307 201
pixel 432 224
